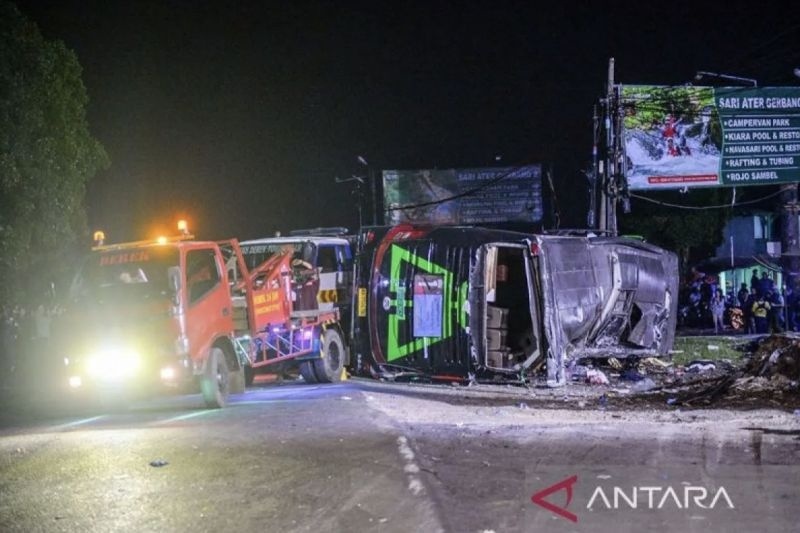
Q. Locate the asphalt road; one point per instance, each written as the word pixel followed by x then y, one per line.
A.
pixel 367 456
pixel 293 458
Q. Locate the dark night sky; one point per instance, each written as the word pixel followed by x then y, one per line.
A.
pixel 240 114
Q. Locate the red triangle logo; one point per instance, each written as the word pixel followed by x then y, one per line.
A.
pixel 566 484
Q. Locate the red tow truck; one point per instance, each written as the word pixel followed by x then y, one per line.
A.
pixel 177 313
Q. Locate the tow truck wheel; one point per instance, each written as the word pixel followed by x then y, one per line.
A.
pixel 307 371
pixel 214 382
pixel 236 382
pixel 328 367
pixel 249 375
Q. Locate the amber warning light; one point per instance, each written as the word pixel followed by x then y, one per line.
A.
pixel 99 237
pixel 183 227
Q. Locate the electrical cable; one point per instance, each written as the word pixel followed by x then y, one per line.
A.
pixel 693 207
pixel 765 265
pixel 556 210
pixel 757 57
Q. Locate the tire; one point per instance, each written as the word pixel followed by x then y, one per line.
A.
pixel 330 364
pixel 307 371
pixel 236 382
pixel 249 375
pixel 215 383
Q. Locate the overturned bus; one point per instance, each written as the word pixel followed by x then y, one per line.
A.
pixel 486 304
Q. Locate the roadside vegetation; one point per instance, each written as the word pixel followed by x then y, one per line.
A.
pixel 713 347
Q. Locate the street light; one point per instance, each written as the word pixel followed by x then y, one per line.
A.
pixel 705 74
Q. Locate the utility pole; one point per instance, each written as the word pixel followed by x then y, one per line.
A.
pixel 607 210
pixel 374 184
pixel 591 216
pixel 790 233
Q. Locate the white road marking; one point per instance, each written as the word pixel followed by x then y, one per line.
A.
pixel 186 416
pixel 78 422
pixel 262 402
pixel 415 485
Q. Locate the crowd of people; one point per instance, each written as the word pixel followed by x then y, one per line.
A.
pixel 760 307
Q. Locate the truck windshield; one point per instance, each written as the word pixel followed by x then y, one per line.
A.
pixel 255 254
pixel 137 271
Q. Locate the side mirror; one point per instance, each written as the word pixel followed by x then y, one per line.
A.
pixel 174 276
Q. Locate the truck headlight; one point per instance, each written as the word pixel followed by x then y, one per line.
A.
pixel 115 363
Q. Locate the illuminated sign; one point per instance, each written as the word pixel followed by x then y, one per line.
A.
pixel 676 137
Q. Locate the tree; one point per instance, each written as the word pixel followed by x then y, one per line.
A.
pixel 47 156
pixel 693 234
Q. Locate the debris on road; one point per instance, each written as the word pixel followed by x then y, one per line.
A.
pixel 768 374
pixel 603 401
pixel 631 375
pixel 701 366
pixel 644 385
pixel 777 355
pixel 596 377
pixel 158 463
pixel 750 373
pixel 653 365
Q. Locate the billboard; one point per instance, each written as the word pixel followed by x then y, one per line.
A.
pixel 463 196
pixel 676 137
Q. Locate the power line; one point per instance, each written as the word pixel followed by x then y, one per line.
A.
pixel 694 207
pixel 755 56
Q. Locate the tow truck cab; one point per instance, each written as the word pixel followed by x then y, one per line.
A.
pixel 321 268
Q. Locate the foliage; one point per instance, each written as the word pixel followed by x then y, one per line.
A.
pixel 646 107
pixel 648 104
pixel 693 234
pixel 47 156
pixel 718 347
